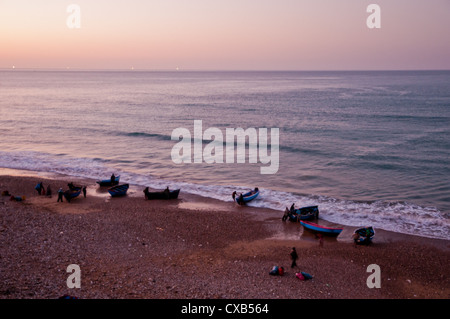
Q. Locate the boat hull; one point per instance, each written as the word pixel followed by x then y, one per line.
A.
pixel 119 190
pixel 247 197
pixel 321 229
pixel 107 182
pixel 162 195
pixel 303 213
pixel 296 218
pixel 71 194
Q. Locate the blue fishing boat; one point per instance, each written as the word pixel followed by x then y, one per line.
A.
pixel 245 198
pixel 321 229
pixel 72 193
pixel 119 190
pixel 303 213
pixel 107 182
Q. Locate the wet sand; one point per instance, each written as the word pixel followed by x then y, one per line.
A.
pixel 193 248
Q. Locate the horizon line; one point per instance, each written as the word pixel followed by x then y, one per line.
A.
pixel 132 69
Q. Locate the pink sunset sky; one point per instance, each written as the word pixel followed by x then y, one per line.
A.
pixel 225 35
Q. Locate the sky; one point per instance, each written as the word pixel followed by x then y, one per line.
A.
pixel 225 35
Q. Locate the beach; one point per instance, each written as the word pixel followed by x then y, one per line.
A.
pixel 193 248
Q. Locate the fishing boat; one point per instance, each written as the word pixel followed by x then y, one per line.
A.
pixel 107 182
pixel 73 187
pixel 321 229
pixel 245 198
pixel 118 190
pixel 165 194
pixel 303 213
pixel 72 193
pixel 363 236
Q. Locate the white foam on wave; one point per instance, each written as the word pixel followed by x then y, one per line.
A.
pixel 61 164
pixel 399 217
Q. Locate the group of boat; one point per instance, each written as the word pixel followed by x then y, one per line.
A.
pixel 115 189
pixel 304 215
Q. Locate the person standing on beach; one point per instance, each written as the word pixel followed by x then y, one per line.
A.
pixel 294 257
pixel 49 191
pixel 167 192
pixel 39 187
pixel 60 195
pixel 84 191
pixel 320 236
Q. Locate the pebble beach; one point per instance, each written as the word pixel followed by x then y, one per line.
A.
pixel 193 248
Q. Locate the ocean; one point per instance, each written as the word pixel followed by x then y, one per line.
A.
pixel 370 148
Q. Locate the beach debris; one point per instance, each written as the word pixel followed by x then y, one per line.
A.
pixel 6 193
pixel 303 276
pixel 277 271
pixel 17 198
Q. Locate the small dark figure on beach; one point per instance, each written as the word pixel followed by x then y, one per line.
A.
pixel 294 257
pixel 241 199
pixel 167 192
pixel 60 194
pixel 286 215
pixel 49 191
pixel 40 187
pixel 113 179
pixel 356 238
pixel 292 209
pixel 84 191
pixel 146 193
pixel 320 237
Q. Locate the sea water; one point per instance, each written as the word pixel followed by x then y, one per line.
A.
pixel 370 148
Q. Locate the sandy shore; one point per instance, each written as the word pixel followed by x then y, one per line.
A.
pixel 192 248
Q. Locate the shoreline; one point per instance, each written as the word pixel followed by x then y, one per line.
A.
pixel 193 248
pixel 199 202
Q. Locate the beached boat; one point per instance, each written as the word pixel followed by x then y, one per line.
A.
pixel 72 193
pixel 241 199
pixel 303 213
pixel 107 182
pixel 165 194
pixel 363 236
pixel 321 229
pixel 119 190
pixel 73 187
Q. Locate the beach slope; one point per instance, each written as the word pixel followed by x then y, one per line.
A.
pixel 193 248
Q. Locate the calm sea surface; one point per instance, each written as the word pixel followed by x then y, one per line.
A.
pixel 370 148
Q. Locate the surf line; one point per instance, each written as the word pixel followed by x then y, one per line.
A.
pixel 230 150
